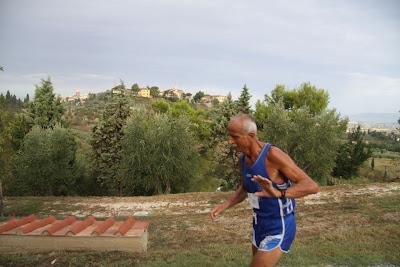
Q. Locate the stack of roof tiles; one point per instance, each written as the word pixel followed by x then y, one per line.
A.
pixel 49 234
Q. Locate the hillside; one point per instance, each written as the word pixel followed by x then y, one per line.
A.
pixel 375 117
pixel 352 225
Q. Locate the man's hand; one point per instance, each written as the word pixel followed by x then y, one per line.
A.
pixel 216 211
pixel 268 189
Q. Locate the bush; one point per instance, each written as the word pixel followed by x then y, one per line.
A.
pixel 46 163
pixel 310 139
pixel 158 155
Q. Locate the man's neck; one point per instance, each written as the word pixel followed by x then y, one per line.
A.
pixel 255 150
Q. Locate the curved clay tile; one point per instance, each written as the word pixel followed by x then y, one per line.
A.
pixel 59 225
pixel 37 224
pixel 81 225
pixel 104 226
pixel 13 223
pixel 126 226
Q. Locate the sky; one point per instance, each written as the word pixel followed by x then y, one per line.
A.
pixel 349 48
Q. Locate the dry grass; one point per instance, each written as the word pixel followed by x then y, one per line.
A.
pixel 343 225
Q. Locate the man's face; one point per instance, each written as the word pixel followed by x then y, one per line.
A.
pixel 236 138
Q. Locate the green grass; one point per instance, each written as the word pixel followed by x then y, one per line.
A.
pixel 386 154
pixel 360 230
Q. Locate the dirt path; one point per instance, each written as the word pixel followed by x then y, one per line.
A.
pixel 201 203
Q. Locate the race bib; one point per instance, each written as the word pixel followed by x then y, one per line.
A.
pixel 253 201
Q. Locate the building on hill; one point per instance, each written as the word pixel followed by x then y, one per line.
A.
pixel 144 92
pixel 208 99
pixel 173 93
pixel 77 96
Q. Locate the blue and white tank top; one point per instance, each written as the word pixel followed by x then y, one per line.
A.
pixel 265 207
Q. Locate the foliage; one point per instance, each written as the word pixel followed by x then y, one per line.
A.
pixel 198 96
pixel 6 151
pixel 160 106
pixel 135 89
pixel 46 109
pixel 227 168
pixel 307 95
pixel 10 102
pixel 383 141
pixel 46 163
pixel 243 104
pixel 121 86
pixel 351 154
pixel 311 140
pixel 154 91
pixel 158 156
pixel 107 147
pixel 221 116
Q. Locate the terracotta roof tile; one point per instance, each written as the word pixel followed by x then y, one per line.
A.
pixel 71 226
pixel 13 223
pixel 36 224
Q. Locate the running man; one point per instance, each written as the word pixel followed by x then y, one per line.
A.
pixel 271 180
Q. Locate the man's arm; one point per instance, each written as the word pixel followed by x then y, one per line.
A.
pixel 303 184
pixel 239 195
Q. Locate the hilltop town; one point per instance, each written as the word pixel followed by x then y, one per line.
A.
pixel 173 94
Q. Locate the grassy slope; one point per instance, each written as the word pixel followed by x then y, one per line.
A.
pixel 346 225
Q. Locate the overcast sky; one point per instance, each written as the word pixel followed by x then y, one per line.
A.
pixel 349 48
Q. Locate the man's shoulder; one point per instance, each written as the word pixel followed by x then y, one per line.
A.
pixel 277 155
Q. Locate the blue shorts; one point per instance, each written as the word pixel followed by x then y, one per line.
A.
pixel 270 233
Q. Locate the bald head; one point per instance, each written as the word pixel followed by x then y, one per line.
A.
pixel 245 122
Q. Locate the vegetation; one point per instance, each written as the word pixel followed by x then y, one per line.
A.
pixel 46 164
pixel 46 110
pixel 351 154
pixel 180 145
pixel 311 136
pixel 107 145
pixel 243 104
pixel 158 155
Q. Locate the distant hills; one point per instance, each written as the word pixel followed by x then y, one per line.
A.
pixel 375 117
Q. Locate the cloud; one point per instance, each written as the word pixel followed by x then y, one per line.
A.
pixel 373 85
pixel 208 45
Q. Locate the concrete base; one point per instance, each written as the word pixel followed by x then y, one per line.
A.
pixel 99 243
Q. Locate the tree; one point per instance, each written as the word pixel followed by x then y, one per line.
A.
pixel 135 89
pixel 215 103
pixel 187 95
pixel 243 104
pixel 106 144
pixel 1 68
pixel 160 106
pixel 310 139
pixel 198 96
pixel 6 151
pixel 46 110
pixel 373 163
pixel 221 116
pixel 351 154
pixel 398 121
pixel 26 99
pixel 46 163
pixel 158 156
pixel 154 91
pixel 306 95
pixel 225 160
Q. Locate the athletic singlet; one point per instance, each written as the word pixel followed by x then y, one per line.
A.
pixel 265 207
